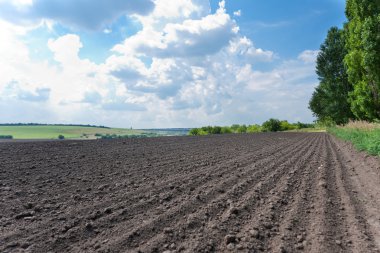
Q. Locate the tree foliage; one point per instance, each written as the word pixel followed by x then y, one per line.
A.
pixel 272 125
pixel 363 57
pixel 330 98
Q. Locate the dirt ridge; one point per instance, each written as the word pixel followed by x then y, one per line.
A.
pixel 270 192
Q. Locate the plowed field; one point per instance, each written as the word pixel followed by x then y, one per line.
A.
pixel 275 192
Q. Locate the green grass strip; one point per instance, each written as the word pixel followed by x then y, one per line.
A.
pixel 364 140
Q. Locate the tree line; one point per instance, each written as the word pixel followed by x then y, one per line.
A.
pixel 271 125
pixel 42 124
pixel 348 67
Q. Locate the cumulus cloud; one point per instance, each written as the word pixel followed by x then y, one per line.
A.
pixel 244 47
pixel 186 67
pixel 77 13
pixel 189 38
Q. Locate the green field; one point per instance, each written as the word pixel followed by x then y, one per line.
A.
pixel 69 132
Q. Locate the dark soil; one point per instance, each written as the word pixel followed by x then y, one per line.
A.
pixel 275 192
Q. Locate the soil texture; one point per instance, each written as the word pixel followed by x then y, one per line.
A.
pixel 269 192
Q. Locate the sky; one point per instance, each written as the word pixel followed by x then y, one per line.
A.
pixel 160 63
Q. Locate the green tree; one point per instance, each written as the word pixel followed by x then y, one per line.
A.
pixel 235 128
pixel 226 130
pixel 242 129
pixel 272 125
pixel 254 129
pixel 285 125
pixel 363 58
pixel 194 131
pixel 330 98
pixel 216 130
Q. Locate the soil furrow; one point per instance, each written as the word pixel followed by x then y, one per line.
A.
pixel 141 205
pixel 270 192
pixel 221 208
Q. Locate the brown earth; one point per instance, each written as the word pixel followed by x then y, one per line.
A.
pixel 279 192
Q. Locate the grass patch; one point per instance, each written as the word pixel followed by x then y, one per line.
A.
pixel 363 135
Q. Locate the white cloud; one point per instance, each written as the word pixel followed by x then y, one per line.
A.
pixel 186 38
pixel 237 13
pixel 244 47
pixel 309 56
pixel 186 67
pixel 107 31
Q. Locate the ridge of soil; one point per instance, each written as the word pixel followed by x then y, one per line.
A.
pixel 269 192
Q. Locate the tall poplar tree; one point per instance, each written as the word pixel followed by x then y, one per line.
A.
pixel 363 58
pixel 330 98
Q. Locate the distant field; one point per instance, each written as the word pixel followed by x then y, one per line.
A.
pixel 69 132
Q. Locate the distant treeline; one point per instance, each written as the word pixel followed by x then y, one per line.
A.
pixel 271 125
pixel 39 124
pixel 6 137
pixel 116 136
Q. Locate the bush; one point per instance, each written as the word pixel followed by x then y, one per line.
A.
pixel 226 130
pixel 216 130
pixel 235 128
pixel 61 137
pixel 272 125
pixel 242 129
pixel 285 126
pixel 194 131
pixel 254 129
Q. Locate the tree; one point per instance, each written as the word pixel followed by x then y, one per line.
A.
pixel 285 126
pixel 226 130
pixel 272 125
pixel 235 128
pixel 363 58
pixel 216 130
pixel 194 131
pixel 254 129
pixel 330 98
pixel 242 129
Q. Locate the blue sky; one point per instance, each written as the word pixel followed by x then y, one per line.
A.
pixel 160 63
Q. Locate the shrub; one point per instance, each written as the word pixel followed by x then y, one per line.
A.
pixel 300 125
pixel 285 126
pixel 242 129
pixel 207 129
pixel 216 130
pixel 226 130
pixel 235 128
pixel 194 131
pixel 254 129
pixel 272 125
pixel 61 137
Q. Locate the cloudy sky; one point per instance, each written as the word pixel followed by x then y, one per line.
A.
pixel 160 63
